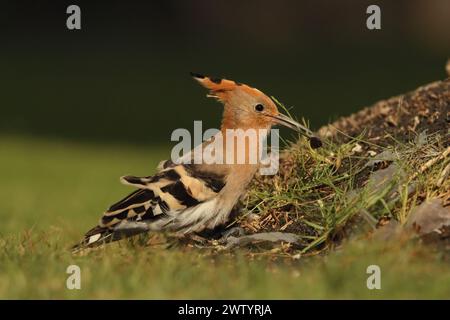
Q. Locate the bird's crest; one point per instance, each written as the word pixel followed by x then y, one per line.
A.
pixel 221 88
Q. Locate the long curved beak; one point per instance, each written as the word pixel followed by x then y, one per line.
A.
pixel 284 120
pixel 288 122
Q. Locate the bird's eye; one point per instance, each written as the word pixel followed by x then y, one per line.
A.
pixel 259 107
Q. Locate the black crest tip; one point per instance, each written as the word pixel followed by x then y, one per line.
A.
pixel 197 75
pixel 216 80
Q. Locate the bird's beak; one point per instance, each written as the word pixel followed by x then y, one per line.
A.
pixel 288 122
pixel 315 142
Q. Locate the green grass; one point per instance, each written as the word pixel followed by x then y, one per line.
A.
pixel 51 192
pixel 322 192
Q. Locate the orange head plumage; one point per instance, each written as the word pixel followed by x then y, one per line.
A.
pixel 246 107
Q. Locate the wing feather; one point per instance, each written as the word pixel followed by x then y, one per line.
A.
pixel 175 191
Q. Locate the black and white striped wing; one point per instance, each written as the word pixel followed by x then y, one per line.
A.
pixel 176 191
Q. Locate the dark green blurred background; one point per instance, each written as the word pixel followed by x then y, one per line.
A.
pixel 124 77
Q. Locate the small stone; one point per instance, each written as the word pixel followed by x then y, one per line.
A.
pixel 357 148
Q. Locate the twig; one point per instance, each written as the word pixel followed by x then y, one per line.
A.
pixel 430 163
pixel 286 225
pixel 444 175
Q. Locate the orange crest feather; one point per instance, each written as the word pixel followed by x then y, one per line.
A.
pixel 218 87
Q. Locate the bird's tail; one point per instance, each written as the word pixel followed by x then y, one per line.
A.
pixel 93 238
pixel 101 235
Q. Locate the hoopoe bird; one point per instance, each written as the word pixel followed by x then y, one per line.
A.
pixel 187 198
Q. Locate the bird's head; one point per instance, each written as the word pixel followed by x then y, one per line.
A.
pixel 248 108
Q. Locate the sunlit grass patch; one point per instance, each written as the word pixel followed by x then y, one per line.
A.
pixel 325 194
pixel 34 265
